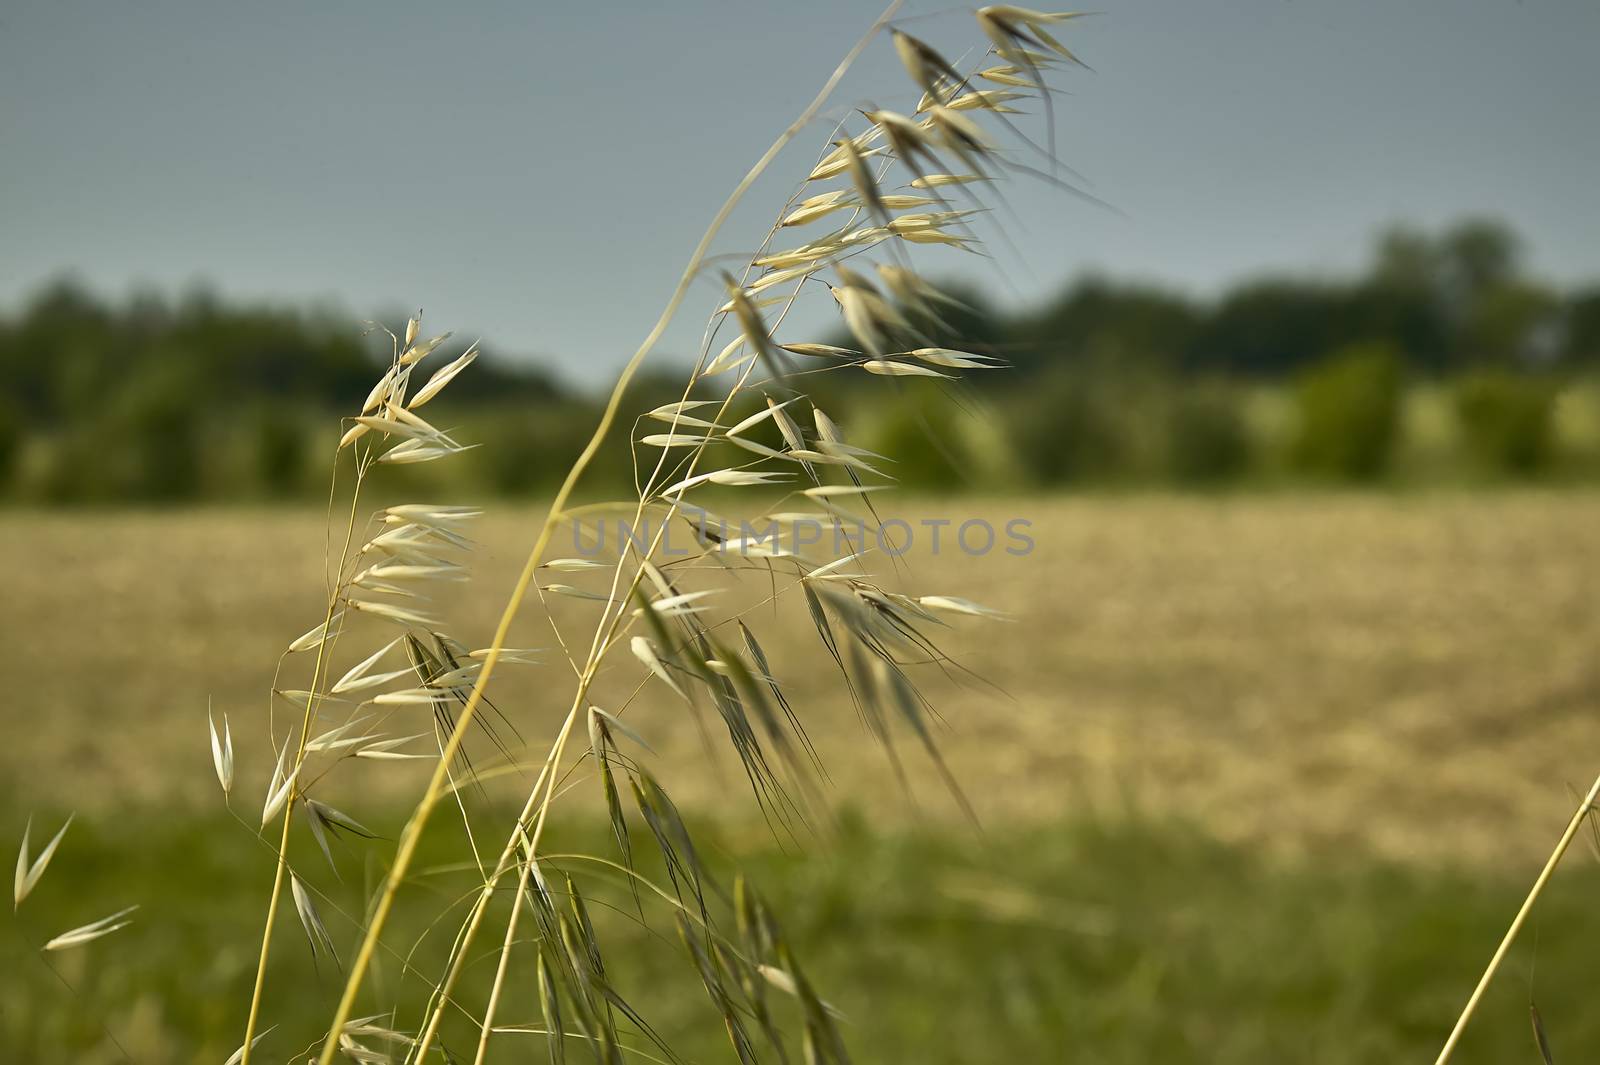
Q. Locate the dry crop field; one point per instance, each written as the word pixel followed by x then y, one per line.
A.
pixel 1266 779
pixel 1413 674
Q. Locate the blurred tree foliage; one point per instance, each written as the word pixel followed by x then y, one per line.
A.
pixel 1112 381
pixel 1349 413
pixel 1208 440
pixel 168 400
pixel 1506 420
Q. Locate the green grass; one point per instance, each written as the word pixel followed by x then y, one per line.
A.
pixel 1098 942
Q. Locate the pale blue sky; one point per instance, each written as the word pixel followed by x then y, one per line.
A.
pixel 537 172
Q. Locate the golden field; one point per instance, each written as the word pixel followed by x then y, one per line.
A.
pixel 1417 675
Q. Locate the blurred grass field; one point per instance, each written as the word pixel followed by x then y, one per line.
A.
pixel 1267 779
pixel 1123 941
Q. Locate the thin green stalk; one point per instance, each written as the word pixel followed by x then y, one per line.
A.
pixel 546 779
pixel 254 1019
pixel 470 928
pixel 1517 922
pixel 503 963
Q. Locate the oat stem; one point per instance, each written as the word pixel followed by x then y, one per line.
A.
pixel 503 963
pixel 469 929
pixel 317 676
pixel 1517 922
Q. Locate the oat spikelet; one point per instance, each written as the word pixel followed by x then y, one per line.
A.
pixel 222 753
pixel 29 872
pixel 92 931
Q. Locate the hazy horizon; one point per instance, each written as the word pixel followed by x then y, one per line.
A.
pixel 375 160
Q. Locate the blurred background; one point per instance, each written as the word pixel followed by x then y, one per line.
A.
pixel 1303 410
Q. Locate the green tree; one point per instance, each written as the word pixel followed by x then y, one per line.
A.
pixel 10 442
pixel 912 428
pixel 1349 413
pixel 1505 420
pixel 279 447
pixel 1070 428
pixel 157 424
pixel 1478 253
pixel 1207 440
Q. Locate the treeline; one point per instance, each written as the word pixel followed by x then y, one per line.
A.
pixel 159 399
pixel 1442 361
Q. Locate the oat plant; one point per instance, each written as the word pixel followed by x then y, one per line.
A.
pixel 378 678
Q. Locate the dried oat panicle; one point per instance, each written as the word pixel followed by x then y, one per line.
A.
pixel 638 630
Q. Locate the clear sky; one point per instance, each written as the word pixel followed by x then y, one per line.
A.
pixel 536 173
